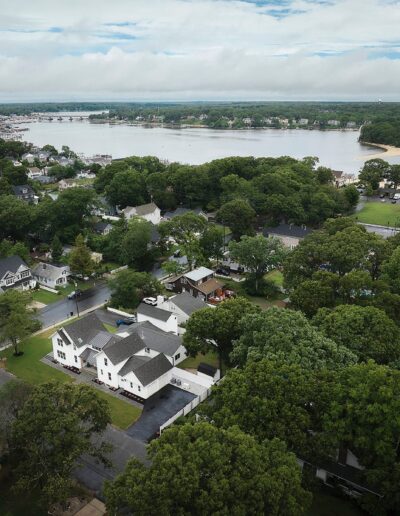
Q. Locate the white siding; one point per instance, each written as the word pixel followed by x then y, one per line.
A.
pixel 66 353
pixel 149 390
pixel 106 368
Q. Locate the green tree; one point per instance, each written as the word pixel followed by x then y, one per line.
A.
pixel 391 271
pixel 56 249
pixel 287 336
pixel 212 242
pixel 128 288
pixel 367 331
pixel 55 427
pixel 187 231
pixel 258 255
pixel 172 267
pixel 217 328
pixel 16 217
pixel 80 260
pixel 16 318
pixel 373 171
pixel 364 417
pixel 239 216
pixel 135 243
pixel 127 188
pixel 214 472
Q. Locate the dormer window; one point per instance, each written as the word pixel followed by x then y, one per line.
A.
pixel 147 350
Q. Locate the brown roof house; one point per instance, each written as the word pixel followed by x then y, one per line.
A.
pixel 199 282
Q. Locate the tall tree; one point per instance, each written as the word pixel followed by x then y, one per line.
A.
pixel 215 471
pixel 56 249
pixel 80 260
pixel 135 244
pixel 55 427
pixel 217 328
pixel 367 331
pixel 287 336
pixel 258 255
pixel 239 216
pixel 128 288
pixel 16 318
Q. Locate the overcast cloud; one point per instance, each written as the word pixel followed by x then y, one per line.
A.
pixel 199 49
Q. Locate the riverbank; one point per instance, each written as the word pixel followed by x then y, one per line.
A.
pixel 387 151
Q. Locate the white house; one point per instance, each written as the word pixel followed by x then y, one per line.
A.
pixel 138 360
pixel 51 275
pixel 15 273
pixel 150 212
pixel 159 317
pixel 182 305
pixel 34 172
pixel 64 184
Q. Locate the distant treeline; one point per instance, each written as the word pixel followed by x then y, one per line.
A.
pixel 227 114
pixel 382 131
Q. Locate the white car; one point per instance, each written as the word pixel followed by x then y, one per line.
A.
pixel 150 301
pixel 396 196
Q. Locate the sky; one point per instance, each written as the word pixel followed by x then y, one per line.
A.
pixel 54 50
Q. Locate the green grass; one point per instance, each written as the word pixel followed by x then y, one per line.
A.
pixel 29 368
pixel 262 302
pixel 276 277
pixel 326 504
pixel 110 328
pixel 381 213
pixel 46 297
pixel 193 362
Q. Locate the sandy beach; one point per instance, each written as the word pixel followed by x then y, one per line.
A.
pixel 388 151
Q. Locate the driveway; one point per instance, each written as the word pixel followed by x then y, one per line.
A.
pixel 93 474
pixel 5 377
pixel 61 310
pixel 157 410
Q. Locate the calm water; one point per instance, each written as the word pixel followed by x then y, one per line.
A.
pixel 336 149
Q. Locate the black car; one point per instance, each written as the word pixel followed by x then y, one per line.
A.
pixel 75 293
pixel 223 271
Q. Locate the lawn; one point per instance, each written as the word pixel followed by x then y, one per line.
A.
pixel 193 362
pixel 381 213
pixel 262 302
pixel 29 368
pixel 45 297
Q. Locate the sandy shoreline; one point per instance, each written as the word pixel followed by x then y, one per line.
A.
pixel 388 151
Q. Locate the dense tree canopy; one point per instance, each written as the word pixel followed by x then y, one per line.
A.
pixel 128 288
pixel 367 331
pixel 215 471
pixel 287 336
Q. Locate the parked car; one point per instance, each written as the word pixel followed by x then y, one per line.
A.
pixel 127 321
pixel 150 301
pixel 382 195
pixel 393 201
pixel 223 271
pixel 74 294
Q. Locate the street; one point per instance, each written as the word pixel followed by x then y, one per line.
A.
pixel 61 310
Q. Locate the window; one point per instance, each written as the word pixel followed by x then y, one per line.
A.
pixel 101 371
pixel 105 361
pixel 139 388
pixel 131 385
pixel 177 356
pixel 76 359
pixel 25 274
pixel 60 343
pixel 109 376
pixel 61 354
pixel 147 350
pixel 9 281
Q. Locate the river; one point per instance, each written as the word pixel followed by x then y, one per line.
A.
pixel 339 150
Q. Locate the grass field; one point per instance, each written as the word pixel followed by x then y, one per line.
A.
pixel 45 297
pixel 29 368
pixel 193 362
pixel 276 277
pixel 381 213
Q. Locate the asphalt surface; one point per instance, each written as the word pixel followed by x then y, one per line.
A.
pixel 5 377
pixel 54 313
pixel 157 410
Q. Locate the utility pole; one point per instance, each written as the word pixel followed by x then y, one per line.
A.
pixel 76 298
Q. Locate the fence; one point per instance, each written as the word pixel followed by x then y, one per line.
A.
pixel 49 289
pixel 114 271
pixel 118 312
pixel 186 409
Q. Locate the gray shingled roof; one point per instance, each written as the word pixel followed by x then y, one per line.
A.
pixel 123 349
pixel 145 209
pixel 187 303
pixel 153 311
pixel 157 339
pixel 133 363
pixel 46 270
pixel 102 338
pixel 84 330
pixel 152 369
pixel 289 230
pixel 11 264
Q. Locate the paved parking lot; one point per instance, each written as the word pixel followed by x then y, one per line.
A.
pixel 157 410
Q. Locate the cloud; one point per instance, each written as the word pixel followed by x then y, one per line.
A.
pixel 199 49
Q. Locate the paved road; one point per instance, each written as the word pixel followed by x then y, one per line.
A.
pixel 61 310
